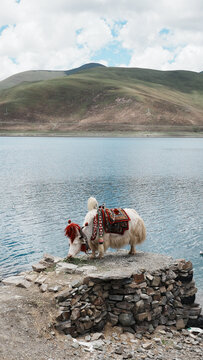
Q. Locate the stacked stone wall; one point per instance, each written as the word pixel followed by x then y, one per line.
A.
pixel 138 302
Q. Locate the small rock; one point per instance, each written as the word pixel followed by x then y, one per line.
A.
pixel 151 329
pixel 43 287
pixel 75 314
pixel 139 278
pixel 146 297
pixel 24 284
pixel 149 277
pixel 87 338
pixel 156 281
pixel 75 345
pixel 185 266
pixel 63 295
pixel 129 332
pixel 157 340
pixel 113 318
pixel 142 316
pixel 180 324
pixel 54 288
pixel 97 336
pixel 40 279
pixel 39 267
pixel 139 306
pixel 116 297
pixel 119 350
pixel 178 346
pixel 118 329
pixel 98 345
pixel 126 319
pixel 124 305
pixel 123 338
pixel 48 258
pixel 69 337
pixel 147 345
pixel 31 277
pixel 185 332
pixel 162 289
pixel 127 356
pixel 162 332
pixel 75 283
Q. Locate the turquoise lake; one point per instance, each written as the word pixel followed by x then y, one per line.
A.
pixel 46 181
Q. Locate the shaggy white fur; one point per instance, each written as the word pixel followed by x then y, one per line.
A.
pixel 92 204
pixel 136 233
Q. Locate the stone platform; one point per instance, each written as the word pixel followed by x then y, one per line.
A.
pixel 137 293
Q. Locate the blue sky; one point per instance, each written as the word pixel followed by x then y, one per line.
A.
pixel 113 54
pixel 59 35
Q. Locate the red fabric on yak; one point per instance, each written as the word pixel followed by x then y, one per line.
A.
pixel 71 231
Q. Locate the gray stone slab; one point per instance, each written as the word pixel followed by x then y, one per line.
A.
pixel 13 280
pixel 19 281
pixel 65 268
pixel 86 269
pixel 39 267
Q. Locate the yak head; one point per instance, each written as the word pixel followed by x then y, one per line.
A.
pixel 77 239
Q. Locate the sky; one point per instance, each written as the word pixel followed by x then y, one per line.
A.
pixel 64 34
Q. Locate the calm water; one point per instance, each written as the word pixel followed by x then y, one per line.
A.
pixel 46 181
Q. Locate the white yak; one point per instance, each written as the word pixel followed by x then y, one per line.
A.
pixel 81 238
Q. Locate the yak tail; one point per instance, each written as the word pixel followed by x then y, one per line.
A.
pixel 141 231
pixel 92 204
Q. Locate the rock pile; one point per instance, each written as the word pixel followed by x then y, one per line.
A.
pixel 138 302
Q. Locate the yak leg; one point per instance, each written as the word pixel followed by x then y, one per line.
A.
pixel 93 248
pixel 92 256
pixel 101 251
pixel 132 250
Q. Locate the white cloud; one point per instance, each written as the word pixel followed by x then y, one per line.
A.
pixel 188 58
pixel 152 57
pixel 44 34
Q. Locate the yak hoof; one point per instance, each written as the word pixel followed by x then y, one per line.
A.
pixel 132 252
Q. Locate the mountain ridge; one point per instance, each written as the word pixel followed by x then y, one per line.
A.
pixel 39 75
pixel 106 99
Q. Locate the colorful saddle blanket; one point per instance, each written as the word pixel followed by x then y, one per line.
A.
pixel 111 221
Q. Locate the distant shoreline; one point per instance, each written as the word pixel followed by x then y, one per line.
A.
pixel 99 134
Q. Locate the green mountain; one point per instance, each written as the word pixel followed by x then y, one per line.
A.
pixel 39 75
pixel 97 98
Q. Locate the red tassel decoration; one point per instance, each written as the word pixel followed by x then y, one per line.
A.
pixel 71 231
pixel 69 221
pixel 86 224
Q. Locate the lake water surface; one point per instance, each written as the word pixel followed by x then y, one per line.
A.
pixel 46 181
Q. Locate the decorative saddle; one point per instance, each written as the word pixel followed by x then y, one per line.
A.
pixel 110 221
